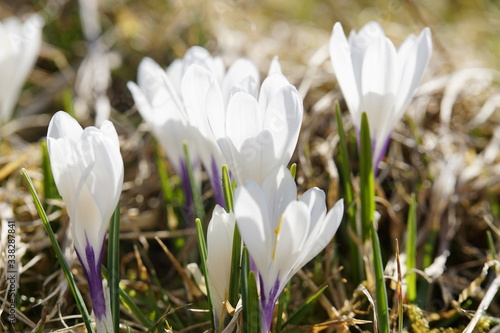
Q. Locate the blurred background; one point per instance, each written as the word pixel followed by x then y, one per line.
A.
pixel 465 34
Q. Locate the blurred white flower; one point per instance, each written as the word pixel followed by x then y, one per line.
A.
pixel 256 133
pixel 219 247
pixel 377 79
pixel 19 47
pixel 172 103
pixel 282 233
pixel 88 172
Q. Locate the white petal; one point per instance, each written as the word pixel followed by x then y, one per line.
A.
pixel 340 54
pixel 219 246
pixel 291 236
pixel 20 44
pixel 275 66
pixel 62 125
pixel 243 73
pixel 413 55
pixel 280 190
pixel 283 118
pixel 216 112
pixel 380 84
pixel 270 88
pixel 174 73
pixel 243 119
pixel 250 209
pixel 322 233
pixel 315 200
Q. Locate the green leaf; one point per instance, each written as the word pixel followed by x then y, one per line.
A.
pixel 249 297
pixel 130 304
pixel 114 267
pixel 381 302
pixel 367 182
pixel 411 251
pixel 236 250
pixel 168 193
pixel 282 305
pixel 227 189
pixel 49 186
pixel 293 170
pixel 64 265
pixel 303 307
pixel 198 202
pixel 356 267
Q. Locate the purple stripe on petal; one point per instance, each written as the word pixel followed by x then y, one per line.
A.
pixel 186 186
pixel 185 183
pixel 376 159
pixel 216 182
pixel 267 304
pixel 94 278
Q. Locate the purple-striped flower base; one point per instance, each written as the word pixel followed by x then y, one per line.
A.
pixel 94 279
pixel 375 159
pixel 267 303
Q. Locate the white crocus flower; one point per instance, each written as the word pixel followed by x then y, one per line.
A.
pixel 19 47
pixel 88 172
pixel 378 79
pixel 282 233
pixel 171 102
pixel 219 247
pixel 256 133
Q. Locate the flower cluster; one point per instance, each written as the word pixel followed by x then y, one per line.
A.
pixel 228 118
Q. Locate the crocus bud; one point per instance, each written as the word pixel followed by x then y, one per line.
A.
pixel 88 172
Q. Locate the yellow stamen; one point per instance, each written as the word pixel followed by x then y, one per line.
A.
pixel 276 232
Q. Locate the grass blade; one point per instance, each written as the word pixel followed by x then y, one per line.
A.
pixel 367 189
pixel 356 266
pixel 411 251
pixel 367 182
pixel 130 304
pixel 381 301
pixel 303 307
pixel 64 265
pixel 249 296
pixel 168 192
pixel 114 267
pixel 283 302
